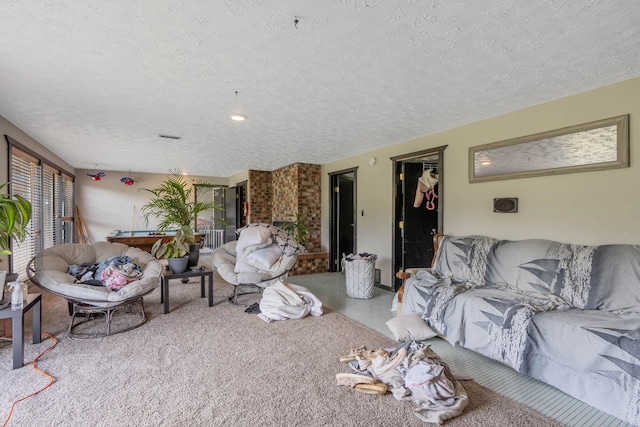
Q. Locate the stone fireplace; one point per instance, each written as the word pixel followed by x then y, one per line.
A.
pixel 275 197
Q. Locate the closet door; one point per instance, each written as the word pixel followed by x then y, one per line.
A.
pixel 343 216
pixel 418 209
pixel 420 214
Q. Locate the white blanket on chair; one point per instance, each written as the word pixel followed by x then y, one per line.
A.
pixel 282 301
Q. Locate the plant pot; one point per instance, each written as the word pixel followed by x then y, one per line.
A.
pixel 194 255
pixel 178 265
pixel 3 275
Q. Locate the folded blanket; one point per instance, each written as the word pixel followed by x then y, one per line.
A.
pixel 282 301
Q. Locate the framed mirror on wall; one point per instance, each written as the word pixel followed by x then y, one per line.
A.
pixel 598 145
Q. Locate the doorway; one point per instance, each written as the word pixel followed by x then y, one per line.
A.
pixel 211 223
pixel 236 210
pixel 417 213
pixel 342 222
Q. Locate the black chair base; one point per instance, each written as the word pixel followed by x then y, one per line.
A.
pixel 83 314
pixel 236 293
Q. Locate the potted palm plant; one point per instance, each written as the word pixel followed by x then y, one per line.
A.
pixel 15 214
pixel 174 204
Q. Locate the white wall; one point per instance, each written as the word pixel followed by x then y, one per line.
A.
pixel 582 208
pixel 108 204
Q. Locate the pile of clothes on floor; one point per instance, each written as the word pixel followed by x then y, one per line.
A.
pixel 114 273
pixel 411 371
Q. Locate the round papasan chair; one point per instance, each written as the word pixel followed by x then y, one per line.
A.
pixel 49 270
pixel 262 255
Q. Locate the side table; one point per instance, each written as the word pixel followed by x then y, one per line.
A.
pixel 168 275
pixel 17 326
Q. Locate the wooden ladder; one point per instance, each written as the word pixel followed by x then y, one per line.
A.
pixel 81 229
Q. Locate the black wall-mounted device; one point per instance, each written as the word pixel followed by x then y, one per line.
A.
pixel 505 205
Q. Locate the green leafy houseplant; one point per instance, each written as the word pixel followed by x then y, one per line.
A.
pixel 15 214
pixel 177 247
pixel 298 228
pixel 173 202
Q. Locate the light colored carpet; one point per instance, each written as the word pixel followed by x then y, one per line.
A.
pixel 216 366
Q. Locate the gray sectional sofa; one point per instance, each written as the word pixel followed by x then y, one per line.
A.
pixel 568 315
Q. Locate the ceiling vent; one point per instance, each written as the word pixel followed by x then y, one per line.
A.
pixel 161 135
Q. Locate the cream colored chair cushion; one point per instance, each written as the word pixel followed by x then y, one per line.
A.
pixel 52 264
pixel 224 260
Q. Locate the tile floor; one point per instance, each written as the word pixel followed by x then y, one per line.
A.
pixel 330 288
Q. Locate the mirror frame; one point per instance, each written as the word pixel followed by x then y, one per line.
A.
pixel 622 150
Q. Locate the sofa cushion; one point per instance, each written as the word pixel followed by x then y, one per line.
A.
pixel 588 354
pixel 615 278
pixel 538 267
pixel 463 259
pixel 493 321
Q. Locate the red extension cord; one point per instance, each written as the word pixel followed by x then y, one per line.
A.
pixel 40 371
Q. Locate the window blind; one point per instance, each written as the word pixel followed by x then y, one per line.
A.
pixel 67 208
pixel 51 232
pixel 26 181
pixel 51 193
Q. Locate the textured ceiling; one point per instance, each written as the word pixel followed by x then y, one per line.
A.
pixel 96 81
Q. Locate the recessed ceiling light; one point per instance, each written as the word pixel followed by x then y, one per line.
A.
pixel 238 117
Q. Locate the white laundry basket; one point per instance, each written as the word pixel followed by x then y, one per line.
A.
pixel 360 271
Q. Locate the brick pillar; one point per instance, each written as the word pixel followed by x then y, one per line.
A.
pixel 259 196
pixel 309 201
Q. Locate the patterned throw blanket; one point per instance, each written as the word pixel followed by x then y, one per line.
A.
pixel 430 295
pixel 566 314
pixel 464 264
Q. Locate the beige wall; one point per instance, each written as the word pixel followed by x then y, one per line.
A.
pixel 108 204
pixel 582 208
pixel 7 128
pixel 238 178
pixel 585 208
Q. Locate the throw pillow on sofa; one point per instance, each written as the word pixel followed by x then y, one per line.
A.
pixel 410 327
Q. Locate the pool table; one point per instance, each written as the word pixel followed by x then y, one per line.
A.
pixel 143 239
